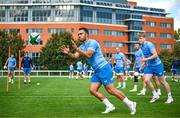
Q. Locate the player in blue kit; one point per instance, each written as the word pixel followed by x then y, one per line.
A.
pixel 154 66
pixel 27 65
pixel 11 62
pixel 120 68
pixel 137 65
pixel 102 71
pixel 128 67
pixel 79 70
pixel 85 70
pixel 71 71
pixel 175 70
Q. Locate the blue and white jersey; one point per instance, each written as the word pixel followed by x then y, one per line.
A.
pixel 11 62
pixel 138 56
pixel 71 67
pixel 97 60
pixel 119 57
pixel 147 49
pixel 79 65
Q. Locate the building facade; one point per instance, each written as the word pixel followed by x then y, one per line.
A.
pixel 113 23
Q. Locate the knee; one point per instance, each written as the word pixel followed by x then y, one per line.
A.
pixel 111 91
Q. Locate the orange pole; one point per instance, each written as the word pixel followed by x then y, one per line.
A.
pixel 7 84
pixel 19 69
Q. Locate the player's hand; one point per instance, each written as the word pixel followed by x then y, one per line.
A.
pixel 21 68
pixel 74 44
pixel 65 49
pixel 144 59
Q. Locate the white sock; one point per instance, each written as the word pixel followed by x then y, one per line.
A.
pixel 124 84
pixel 107 103
pixel 127 101
pixel 144 89
pixel 169 94
pixel 135 87
pixel 24 80
pixel 119 83
pixel 29 80
pixel 154 93
pixel 158 90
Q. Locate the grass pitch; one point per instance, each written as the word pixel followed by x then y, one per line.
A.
pixel 62 97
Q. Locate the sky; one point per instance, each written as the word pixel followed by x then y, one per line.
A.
pixel 171 6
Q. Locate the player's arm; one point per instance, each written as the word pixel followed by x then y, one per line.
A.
pixel 142 66
pixel 154 55
pixel 6 62
pixel 125 59
pixel 87 53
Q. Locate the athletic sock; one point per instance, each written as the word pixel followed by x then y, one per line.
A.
pixel 107 103
pixel 127 102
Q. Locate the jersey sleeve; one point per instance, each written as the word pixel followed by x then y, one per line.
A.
pixel 92 45
pixel 151 47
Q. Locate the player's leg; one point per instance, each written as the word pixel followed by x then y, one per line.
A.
pixel 156 80
pixel 94 90
pixel 25 73
pixel 147 78
pixel 120 95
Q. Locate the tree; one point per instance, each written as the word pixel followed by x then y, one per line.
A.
pixel 14 41
pixel 51 56
pixel 177 44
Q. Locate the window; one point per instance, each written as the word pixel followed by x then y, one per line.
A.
pixel 86 14
pixel 11 30
pixel 113 44
pixel 113 33
pixel 29 31
pixel 166 36
pixel 165 25
pixel 56 30
pixel 151 24
pixel 104 15
pixel 151 34
pixel 18 14
pixel 35 56
pixel 166 46
pixel 93 31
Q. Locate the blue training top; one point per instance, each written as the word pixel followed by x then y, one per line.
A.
pixel 119 57
pixel 79 65
pixel 138 55
pixel 147 49
pixel 11 62
pixel 27 62
pixel 71 67
pixel 97 60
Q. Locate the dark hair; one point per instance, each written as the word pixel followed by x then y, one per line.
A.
pixel 85 29
pixel 142 34
pixel 137 43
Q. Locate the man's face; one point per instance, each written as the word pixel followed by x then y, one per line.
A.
pixel 12 55
pixel 137 46
pixel 141 40
pixel 82 35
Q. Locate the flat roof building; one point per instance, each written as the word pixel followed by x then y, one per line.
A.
pixel 113 23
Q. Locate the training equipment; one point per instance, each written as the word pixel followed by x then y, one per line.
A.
pixel 136 74
pixel 34 38
pixel 38 84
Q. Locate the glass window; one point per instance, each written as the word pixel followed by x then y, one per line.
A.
pixel 18 14
pixel 165 25
pixel 93 31
pixel 151 34
pixel 113 33
pixel 150 24
pixel 166 46
pixel 56 30
pixel 113 44
pixel 166 36
pixel 29 31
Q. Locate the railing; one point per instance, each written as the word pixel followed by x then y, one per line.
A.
pixel 51 73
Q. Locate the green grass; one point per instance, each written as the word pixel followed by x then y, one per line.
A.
pixel 62 97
